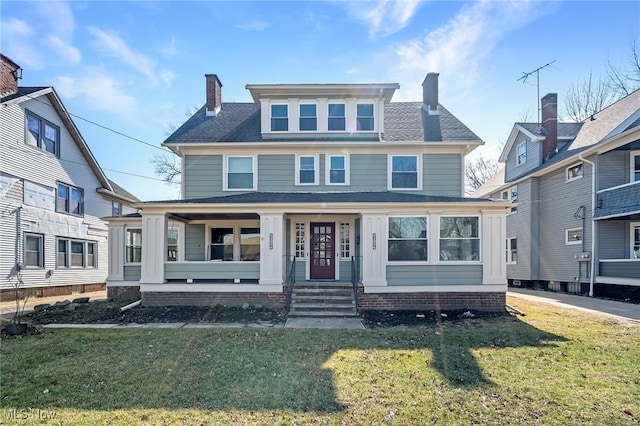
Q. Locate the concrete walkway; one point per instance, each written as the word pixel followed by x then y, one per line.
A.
pixel 629 311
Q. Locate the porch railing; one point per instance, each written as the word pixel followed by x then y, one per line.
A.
pixel 355 277
pixel 290 278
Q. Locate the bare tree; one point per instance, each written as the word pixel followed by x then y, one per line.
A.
pixel 167 167
pixel 585 98
pixel 477 171
pixel 624 79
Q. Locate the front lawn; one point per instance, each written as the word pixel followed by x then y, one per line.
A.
pixel 553 366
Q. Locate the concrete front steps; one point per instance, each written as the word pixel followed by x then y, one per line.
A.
pixel 322 299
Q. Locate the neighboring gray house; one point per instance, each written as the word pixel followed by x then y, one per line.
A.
pixel 52 196
pixel 576 225
pixel 313 184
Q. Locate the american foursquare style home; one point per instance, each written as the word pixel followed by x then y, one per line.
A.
pixel 53 194
pixel 314 187
pixel 576 226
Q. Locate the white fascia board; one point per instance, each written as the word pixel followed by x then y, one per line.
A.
pixel 512 139
pixel 33 95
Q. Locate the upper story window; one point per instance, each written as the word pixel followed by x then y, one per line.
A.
pixel 43 134
pixel 404 172
pixel 575 172
pixel 70 199
pixel 635 166
pixel 279 118
pixel 337 118
pixel 364 117
pixel 240 174
pixel 133 245
pixel 521 153
pixel 116 208
pixel 308 118
pixel 337 170
pixel 307 170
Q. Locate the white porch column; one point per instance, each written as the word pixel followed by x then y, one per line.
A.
pixel 374 250
pixel 154 231
pixel 271 248
pixel 494 266
pixel 115 243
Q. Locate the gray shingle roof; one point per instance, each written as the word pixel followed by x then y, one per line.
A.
pixel 565 130
pixel 404 121
pixel 322 197
pixel 23 91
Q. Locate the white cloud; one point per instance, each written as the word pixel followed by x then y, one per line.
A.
pixel 387 16
pixel 464 42
pixel 15 27
pixel 254 26
pixel 170 49
pixel 59 16
pixel 99 91
pixel 17 43
pixel 67 51
pixel 114 45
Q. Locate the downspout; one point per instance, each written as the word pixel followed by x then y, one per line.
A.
pixel 593 227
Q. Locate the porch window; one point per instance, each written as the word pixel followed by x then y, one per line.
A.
pixel 408 239
pixel 172 243
pixel 300 231
pixel 459 239
pixel 336 117
pixel 133 247
pixel 635 166
pixel 222 244
pixel 250 244
pixel 512 250
pixel 573 236
pixel 240 173
pixel 404 172
pixel 307 170
pixel 34 250
pixel 635 240
pixel 345 241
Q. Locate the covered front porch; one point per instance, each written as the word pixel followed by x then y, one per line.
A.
pixel 618 248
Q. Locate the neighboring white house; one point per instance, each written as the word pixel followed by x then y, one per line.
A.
pixel 576 226
pixel 316 183
pixel 52 196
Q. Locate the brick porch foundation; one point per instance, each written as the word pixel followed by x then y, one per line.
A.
pixel 490 302
pixel 268 300
pixel 124 293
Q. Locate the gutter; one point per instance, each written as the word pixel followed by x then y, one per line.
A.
pixel 593 225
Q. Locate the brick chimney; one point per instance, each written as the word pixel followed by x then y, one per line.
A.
pixel 549 106
pixel 430 93
pixel 214 94
pixel 9 72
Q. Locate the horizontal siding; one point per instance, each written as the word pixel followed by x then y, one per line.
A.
pixel 277 173
pixel 213 270
pixel 614 167
pixel 614 240
pixel 202 176
pixel 520 225
pixel 630 269
pixel 442 175
pixel 194 242
pixel 132 272
pixel 534 154
pixel 431 275
pixel 368 172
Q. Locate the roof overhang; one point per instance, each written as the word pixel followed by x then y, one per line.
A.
pixel 517 128
pixel 284 91
pixel 115 195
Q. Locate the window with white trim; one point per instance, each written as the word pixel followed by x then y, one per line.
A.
pixel 116 208
pixel 337 170
pixel 404 172
pixel 173 233
pixel 240 173
pixel 364 117
pixel 133 245
pixel 249 244
pixel 306 170
pixel 407 239
pixel 43 134
pixel 635 166
pixel 575 172
pixel 69 199
pixel 300 231
pixel 239 243
pixel 573 236
pixel 512 250
pixel 521 153
pixel 345 240
pixel 33 250
pixel 459 238
pixel 308 118
pixel 76 254
pixel 635 240
pixel 279 117
pixel 336 117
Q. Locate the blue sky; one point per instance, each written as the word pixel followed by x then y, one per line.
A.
pixel 135 67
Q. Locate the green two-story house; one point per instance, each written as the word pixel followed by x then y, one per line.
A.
pixel 317 183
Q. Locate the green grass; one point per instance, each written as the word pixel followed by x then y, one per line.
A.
pixel 552 366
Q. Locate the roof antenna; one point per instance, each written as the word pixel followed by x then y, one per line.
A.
pixel 526 75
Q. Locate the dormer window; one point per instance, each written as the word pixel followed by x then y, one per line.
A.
pixel 279 118
pixel 364 117
pixel 337 116
pixel 308 118
pixel 521 154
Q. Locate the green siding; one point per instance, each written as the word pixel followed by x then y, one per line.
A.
pixel 431 275
pixel 202 176
pixel 368 173
pixel 277 173
pixel 213 270
pixel 194 241
pixel 442 174
pixel 132 272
